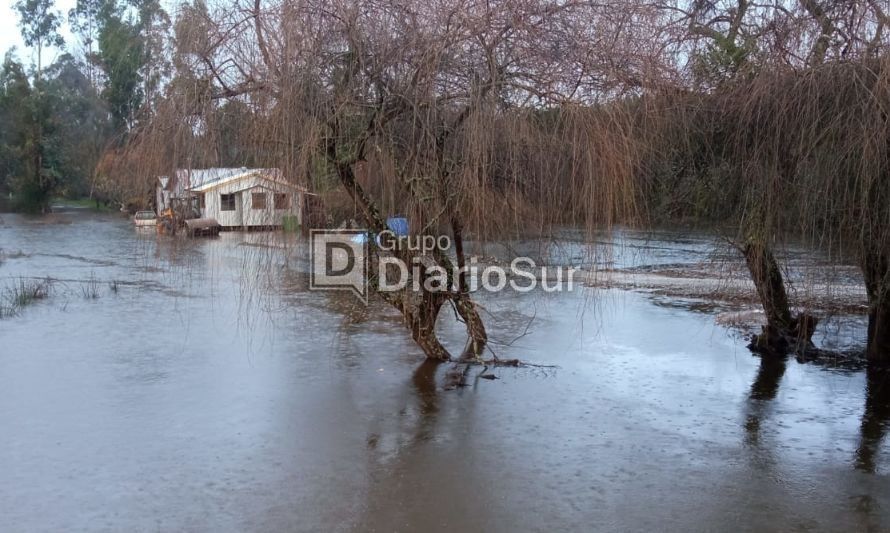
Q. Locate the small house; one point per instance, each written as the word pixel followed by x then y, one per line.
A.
pixel 236 197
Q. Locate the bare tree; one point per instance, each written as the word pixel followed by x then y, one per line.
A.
pixel 403 104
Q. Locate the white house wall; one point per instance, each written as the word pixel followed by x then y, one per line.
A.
pixel 244 214
pixel 162 199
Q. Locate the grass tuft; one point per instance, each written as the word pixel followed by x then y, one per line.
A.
pixel 90 288
pixel 23 293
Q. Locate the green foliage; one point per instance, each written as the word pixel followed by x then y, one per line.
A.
pixel 58 122
pixel 721 60
pixel 52 136
pixel 39 24
pixel 80 125
pixel 20 141
pixel 39 151
pixel 14 91
pixel 121 55
pixel 84 19
pixel 130 38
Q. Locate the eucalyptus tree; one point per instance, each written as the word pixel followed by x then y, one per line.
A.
pixel 83 19
pixel 39 23
pixel 15 90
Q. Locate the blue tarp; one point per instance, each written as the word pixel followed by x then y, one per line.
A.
pixel 398 225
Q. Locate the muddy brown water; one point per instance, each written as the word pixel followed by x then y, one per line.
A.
pixel 212 392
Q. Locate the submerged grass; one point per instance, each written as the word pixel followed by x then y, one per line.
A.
pixel 23 293
pixel 90 288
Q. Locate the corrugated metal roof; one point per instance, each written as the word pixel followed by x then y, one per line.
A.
pixel 198 178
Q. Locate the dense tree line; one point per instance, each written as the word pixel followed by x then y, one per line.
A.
pixel 58 119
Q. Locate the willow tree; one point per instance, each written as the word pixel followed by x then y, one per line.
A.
pixel 820 139
pixel 762 114
pixel 424 109
pixel 793 155
pixel 790 155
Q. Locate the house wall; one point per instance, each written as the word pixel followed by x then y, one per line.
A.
pixel 161 199
pixel 212 210
pixel 163 196
pixel 244 214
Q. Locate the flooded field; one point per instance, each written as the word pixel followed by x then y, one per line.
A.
pixel 169 384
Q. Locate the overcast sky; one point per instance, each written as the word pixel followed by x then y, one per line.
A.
pixel 11 36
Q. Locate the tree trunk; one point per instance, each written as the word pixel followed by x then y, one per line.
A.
pixel 422 322
pixel 878 347
pixel 420 316
pixel 770 285
pixel 876 271
pixel 466 308
pixel 478 337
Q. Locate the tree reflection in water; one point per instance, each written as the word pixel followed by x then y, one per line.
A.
pixel 875 418
pixel 763 391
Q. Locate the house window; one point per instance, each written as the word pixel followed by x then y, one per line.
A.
pixel 282 201
pixel 201 203
pixel 258 200
pixel 226 202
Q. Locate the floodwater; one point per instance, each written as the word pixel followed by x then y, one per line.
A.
pixel 199 386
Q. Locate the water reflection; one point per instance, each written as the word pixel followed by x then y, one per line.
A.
pixel 763 391
pixel 424 381
pixel 210 393
pixel 418 411
pixel 875 419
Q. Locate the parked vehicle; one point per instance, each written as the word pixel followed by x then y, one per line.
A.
pixel 145 219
